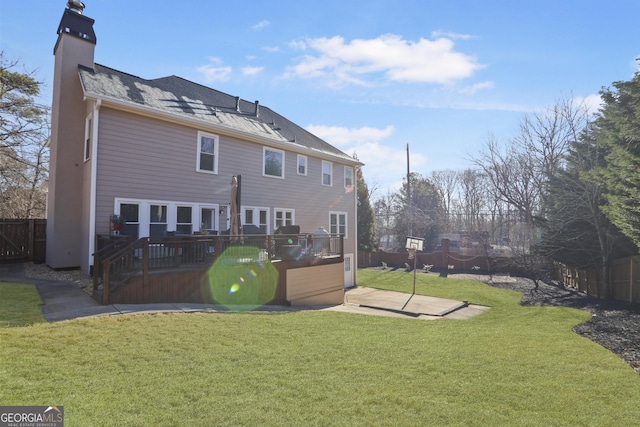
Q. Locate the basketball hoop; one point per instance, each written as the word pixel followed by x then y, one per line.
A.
pixel 414 244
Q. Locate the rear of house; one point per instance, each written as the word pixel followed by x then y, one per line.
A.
pixel 162 153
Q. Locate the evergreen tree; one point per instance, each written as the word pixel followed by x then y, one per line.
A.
pixel 366 218
pixel 575 230
pixel 419 209
pixel 617 132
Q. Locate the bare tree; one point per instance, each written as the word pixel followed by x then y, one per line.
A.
pixel 511 175
pixel 546 136
pixel 473 196
pixel 520 169
pixel 447 182
pixel 384 219
pixel 24 129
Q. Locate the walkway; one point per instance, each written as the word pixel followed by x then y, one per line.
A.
pixel 65 301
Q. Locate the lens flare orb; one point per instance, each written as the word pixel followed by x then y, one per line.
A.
pixel 240 280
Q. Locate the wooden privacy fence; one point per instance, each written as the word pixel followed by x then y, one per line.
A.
pixel 624 279
pixel 23 240
pixel 453 262
pixel 444 260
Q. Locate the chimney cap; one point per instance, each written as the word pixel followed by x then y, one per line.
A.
pixel 76 6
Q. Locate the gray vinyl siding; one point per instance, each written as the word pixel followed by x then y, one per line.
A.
pixel 145 158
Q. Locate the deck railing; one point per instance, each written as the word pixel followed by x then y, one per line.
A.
pixel 106 245
pixel 117 259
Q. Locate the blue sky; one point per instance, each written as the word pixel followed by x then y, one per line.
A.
pixel 367 76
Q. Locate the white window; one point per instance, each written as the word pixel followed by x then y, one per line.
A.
pixel 302 164
pixel 338 223
pixel 184 220
pixel 88 131
pixel 207 152
pixel 256 216
pixel 283 217
pixel 152 218
pixel 348 177
pixel 157 221
pixel 209 218
pixel 131 214
pixel 327 173
pixel 273 162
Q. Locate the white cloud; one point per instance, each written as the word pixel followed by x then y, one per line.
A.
pixel 297 44
pixel 450 35
pixel 388 58
pixel 215 72
pixel 251 71
pixel 591 102
pixel 272 49
pixel 386 165
pixel 341 136
pixel 383 163
pixel 261 25
pixel 476 87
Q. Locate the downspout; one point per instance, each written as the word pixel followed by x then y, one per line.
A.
pixel 94 174
pixel 354 266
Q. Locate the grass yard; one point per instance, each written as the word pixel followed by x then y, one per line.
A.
pixel 19 305
pixel 511 366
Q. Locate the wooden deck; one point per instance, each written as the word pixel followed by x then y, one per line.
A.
pixel 178 270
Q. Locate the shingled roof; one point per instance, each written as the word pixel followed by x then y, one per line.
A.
pixel 177 96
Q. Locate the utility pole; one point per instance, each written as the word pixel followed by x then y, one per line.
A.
pixel 409 194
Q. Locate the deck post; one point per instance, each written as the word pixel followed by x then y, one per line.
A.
pixel 145 262
pixel 217 247
pixel 105 282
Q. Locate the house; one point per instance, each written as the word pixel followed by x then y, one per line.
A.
pixel 162 153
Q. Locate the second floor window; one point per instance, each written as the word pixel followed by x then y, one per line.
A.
pixel 273 162
pixel 207 152
pixel 302 164
pixel 327 173
pixel 348 177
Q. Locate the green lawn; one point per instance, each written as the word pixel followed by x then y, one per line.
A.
pixel 19 305
pixel 511 366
